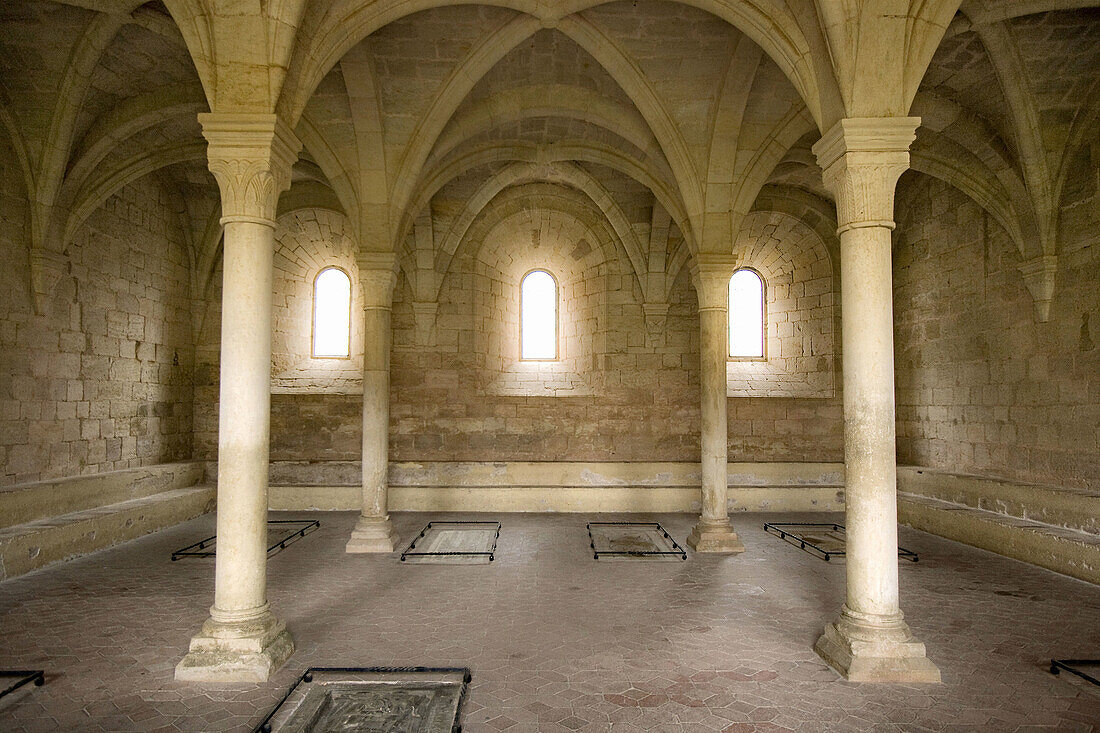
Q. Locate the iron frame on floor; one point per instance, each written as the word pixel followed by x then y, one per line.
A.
pixel 23 677
pixel 307 677
pixel 198 549
pixel 491 552
pixel 1057 665
pixel 776 528
pixel 635 553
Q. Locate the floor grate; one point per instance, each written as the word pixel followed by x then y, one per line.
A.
pixel 21 677
pixel 1078 667
pixel 823 539
pixel 390 699
pixel 454 543
pixel 632 541
pixel 289 531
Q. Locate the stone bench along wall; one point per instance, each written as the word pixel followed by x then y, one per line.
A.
pixel 562 486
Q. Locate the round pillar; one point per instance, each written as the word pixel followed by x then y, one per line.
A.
pixel 862 160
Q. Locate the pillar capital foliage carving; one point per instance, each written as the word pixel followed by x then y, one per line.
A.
pixel 377 278
pixel 862 159
pixel 710 273
pixel 251 156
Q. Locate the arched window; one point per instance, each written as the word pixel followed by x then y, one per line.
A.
pixel 538 316
pixel 332 314
pixel 746 315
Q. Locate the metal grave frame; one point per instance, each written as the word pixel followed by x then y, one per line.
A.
pixel 679 551
pixel 22 677
pixel 411 551
pixel 307 677
pixel 796 538
pixel 1071 666
pixel 203 548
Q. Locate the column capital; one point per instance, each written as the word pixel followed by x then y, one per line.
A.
pixel 377 278
pixel 710 273
pixel 862 159
pixel 251 156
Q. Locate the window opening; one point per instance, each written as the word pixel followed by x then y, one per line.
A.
pixel 746 315
pixel 332 314
pixel 538 331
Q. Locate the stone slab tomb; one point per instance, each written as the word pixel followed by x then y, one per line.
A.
pixel 399 700
pixel 620 541
pixel 454 543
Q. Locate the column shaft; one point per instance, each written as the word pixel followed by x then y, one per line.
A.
pixel 244 421
pixel 711 273
pixel 376 411
pixel 374 531
pixel 869 453
pixel 713 428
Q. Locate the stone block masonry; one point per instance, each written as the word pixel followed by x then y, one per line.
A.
pixel 102 379
pixel 982 387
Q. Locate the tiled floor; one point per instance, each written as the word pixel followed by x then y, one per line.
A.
pixel 556 640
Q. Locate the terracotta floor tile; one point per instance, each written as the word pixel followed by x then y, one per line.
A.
pixel 555 640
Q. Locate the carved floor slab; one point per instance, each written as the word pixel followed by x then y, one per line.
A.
pixel 633 541
pixel 379 700
pixel 454 543
pixel 823 539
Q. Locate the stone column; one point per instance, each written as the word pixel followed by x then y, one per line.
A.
pixel 374 531
pixel 711 274
pixel 862 160
pixel 251 156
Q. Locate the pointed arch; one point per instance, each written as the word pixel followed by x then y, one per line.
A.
pixel 551 100
pixel 791 37
pixel 565 173
pixel 450 167
pixel 129 118
pixel 70 96
pixel 630 78
pixel 470 70
pixel 98 190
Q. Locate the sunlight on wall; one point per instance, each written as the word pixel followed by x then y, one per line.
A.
pixel 332 314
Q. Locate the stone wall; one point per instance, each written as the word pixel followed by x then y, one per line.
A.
pixel 101 379
pixel 982 386
pixel 802 320
pixel 460 393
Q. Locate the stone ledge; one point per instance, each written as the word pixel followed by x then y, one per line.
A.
pixel 1076 509
pixel 558 486
pixel 29 502
pixel 30 546
pixel 1059 549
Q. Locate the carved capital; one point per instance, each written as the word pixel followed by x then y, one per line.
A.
pixel 251 156
pixel 424 321
pixel 377 278
pixel 1039 276
pixel 47 268
pixel 656 316
pixel 710 273
pixel 862 159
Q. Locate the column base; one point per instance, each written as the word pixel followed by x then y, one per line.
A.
pixel 715 537
pixel 372 534
pixel 865 648
pixel 236 651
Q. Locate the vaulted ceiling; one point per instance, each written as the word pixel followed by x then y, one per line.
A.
pixel 414 119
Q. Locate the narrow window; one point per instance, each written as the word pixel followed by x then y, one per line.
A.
pixel 538 319
pixel 332 314
pixel 746 315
